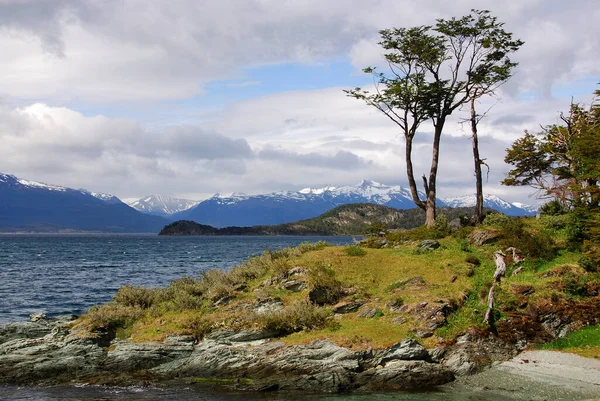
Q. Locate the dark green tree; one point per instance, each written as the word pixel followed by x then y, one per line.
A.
pixel 563 160
pixel 434 70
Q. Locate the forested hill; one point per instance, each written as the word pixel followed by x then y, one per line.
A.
pixel 352 219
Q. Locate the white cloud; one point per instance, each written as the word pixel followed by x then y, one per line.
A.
pixel 139 51
pixel 134 52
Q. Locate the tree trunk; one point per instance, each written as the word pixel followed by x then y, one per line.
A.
pixel 410 173
pixel 431 187
pixel 478 162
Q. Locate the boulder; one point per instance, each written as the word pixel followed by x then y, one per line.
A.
pixel 408 349
pixel 294 285
pixel 428 245
pixel 347 306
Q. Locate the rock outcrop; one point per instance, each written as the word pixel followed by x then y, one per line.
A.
pixel 48 352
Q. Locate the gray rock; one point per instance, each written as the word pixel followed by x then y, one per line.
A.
pixel 404 375
pixel 408 349
pixel 347 307
pixel 231 336
pixel 366 312
pixel 126 356
pixel 294 285
pixel 428 245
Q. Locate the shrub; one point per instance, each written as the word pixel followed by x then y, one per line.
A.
pixel 587 264
pixel 376 228
pixel 576 228
pixel 325 288
pixel 534 245
pixel 111 316
pixel 354 250
pixel 496 219
pixel 129 295
pixel 416 234
pixel 200 326
pixel 299 315
pixel 552 208
pixel 555 222
pixel 441 224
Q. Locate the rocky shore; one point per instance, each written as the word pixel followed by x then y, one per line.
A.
pixel 45 351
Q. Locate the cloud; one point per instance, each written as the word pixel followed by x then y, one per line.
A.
pixel 138 51
pixel 342 160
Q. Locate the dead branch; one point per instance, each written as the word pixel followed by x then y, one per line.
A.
pixel 500 266
pixel 518 271
pixel 488 318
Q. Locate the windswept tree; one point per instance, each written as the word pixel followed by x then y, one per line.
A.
pixel 434 70
pixel 563 160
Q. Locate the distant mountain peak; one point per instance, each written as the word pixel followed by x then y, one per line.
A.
pixel 492 202
pixel 160 205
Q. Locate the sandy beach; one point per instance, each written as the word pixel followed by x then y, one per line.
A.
pixel 537 375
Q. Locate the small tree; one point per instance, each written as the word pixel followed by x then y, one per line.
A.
pixel 432 72
pixel 562 161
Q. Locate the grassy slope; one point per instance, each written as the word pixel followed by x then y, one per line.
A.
pixel 196 307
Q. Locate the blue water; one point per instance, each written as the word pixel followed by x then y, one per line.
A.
pixel 59 274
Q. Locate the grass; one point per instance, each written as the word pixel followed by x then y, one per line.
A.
pixel 584 342
pixel 391 280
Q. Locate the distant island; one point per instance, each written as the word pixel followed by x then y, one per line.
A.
pixel 351 219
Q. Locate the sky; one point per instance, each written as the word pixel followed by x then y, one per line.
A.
pixel 187 98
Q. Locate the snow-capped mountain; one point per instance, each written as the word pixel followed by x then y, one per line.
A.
pixel 493 202
pixel 34 206
pixel 288 206
pixel 108 198
pixel 160 205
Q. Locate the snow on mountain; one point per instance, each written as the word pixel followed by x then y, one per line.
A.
pixel 532 209
pixel 160 205
pixel 492 202
pixel 108 198
pixel 288 206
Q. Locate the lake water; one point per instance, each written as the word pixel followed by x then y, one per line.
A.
pixel 60 274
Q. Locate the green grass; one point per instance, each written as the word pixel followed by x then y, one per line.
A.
pixel 584 342
pixel 382 279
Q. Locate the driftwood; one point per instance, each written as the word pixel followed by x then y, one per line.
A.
pixel 519 270
pixel 516 258
pixel 500 266
pixel 488 318
pixel 500 261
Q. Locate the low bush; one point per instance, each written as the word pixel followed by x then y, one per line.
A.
pixel 537 245
pixel 325 287
pixel 555 222
pixel 496 219
pixel 129 295
pixel 552 208
pixel 111 316
pixel 354 250
pixel 299 315
pixel 416 234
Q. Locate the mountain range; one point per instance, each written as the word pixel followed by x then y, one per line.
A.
pixel 36 207
pixel 33 206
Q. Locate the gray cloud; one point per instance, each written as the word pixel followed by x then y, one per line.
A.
pixel 514 119
pixel 194 143
pixel 341 160
pixel 136 51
